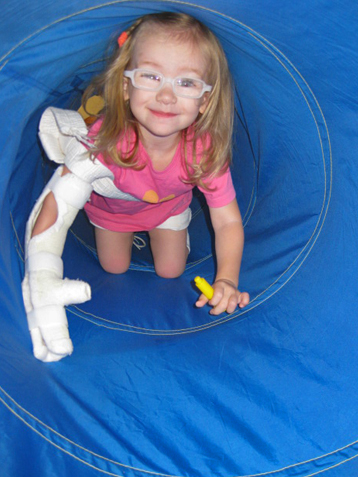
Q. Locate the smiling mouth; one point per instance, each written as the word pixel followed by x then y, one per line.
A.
pixel 161 114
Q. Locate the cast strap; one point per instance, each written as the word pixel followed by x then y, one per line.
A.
pixel 47 316
pixel 45 261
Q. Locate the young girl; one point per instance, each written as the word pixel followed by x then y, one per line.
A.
pixel 166 127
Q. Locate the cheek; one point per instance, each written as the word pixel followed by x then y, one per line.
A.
pixel 138 96
pixel 192 106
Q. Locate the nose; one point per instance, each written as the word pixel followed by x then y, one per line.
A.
pixel 166 94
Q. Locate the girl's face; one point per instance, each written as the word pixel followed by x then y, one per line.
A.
pixel 161 114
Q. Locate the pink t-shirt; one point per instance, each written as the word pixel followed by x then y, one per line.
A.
pixel 161 194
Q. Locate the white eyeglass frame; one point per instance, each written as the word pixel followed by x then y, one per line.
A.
pixel 130 74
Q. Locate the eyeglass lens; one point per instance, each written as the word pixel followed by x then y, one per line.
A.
pixel 189 87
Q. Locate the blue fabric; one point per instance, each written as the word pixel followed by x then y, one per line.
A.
pixel 155 386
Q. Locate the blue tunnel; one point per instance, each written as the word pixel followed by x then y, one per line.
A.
pixel 155 386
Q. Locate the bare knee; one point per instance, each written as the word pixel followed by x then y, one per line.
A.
pixel 114 250
pixel 170 252
pixel 115 266
pixel 169 270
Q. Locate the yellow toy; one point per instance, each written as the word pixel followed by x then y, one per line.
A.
pixel 94 106
pixel 204 287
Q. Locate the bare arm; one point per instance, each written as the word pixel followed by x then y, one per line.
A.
pixel 229 244
pixel 48 213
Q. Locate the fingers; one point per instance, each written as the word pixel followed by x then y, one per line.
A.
pixel 244 299
pixel 202 301
pixel 226 298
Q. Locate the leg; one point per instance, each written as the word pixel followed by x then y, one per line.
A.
pixel 114 249
pixel 169 249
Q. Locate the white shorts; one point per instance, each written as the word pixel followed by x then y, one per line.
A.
pixel 176 223
pixel 179 222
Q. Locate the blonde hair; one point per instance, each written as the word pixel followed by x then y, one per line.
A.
pixel 216 122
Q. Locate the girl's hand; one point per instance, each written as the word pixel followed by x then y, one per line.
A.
pixel 226 298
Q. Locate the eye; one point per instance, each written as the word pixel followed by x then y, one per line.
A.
pixel 147 76
pixel 187 83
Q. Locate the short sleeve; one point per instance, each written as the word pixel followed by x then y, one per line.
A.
pixel 221 190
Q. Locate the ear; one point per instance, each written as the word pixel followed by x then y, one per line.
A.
pixel 204 103
pixel 125 89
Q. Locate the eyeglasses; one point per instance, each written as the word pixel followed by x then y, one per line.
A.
pixel 154 81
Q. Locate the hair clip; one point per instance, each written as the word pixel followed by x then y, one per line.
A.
pixel 122 38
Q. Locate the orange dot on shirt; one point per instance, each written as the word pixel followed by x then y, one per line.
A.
pixel 151 196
